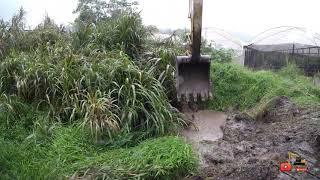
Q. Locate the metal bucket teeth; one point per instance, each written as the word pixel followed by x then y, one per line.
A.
pixel 179 97
pixel 203 96
pixel 193 78
pixel 195 96
pixel 210 96
pixel 188 97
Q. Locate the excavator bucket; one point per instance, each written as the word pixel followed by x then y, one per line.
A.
pixel 193 79
pixel 193 72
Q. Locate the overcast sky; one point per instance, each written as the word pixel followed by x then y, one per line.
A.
pixel 241 18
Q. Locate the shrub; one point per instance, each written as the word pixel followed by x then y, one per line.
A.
pixel 219 55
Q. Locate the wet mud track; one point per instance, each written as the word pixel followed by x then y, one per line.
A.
pixel 252 148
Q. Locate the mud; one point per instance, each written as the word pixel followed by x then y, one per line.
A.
pixel 252 148
pixel 206 127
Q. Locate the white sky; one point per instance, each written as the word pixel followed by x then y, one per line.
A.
pixel 241 18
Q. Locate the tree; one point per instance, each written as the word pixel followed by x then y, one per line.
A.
pixel 93 11
pixel 109 25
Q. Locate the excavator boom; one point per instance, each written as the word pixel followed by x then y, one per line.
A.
pixel 193 72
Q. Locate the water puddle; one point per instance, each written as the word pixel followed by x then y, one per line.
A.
pixel 206 126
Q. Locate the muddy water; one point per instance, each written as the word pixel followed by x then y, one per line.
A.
pixel 206 127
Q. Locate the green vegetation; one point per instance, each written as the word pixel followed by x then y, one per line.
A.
pixel 88 101
pixel 37 147
pixel 68 153
pixel 220 55
pixel 108 92
pixel 240 88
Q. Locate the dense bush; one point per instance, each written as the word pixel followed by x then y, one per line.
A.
pixel 107 91
pixel 222 55
pixel 124 32
pixel 14 38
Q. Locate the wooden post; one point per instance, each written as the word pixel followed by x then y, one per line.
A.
pixel 292 48
pixel 309 51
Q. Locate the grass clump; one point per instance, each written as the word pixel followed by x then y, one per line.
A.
pixel 35 146
pixel 240 88
pixel 162 158
pixel 70 154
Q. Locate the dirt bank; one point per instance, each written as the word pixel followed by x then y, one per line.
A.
pixel 253 148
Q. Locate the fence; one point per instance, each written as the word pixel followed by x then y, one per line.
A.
pixel 306 58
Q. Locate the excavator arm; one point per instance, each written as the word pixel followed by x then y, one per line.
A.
pixel 196 27
pixel 193 72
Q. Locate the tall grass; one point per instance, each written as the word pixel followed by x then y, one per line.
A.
pixel 160 58
pixel 69 154
pixel 80 103
pixel 49 149
pixel 240 88
pixel 125 32
pixel 106 90
pixel 94 82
